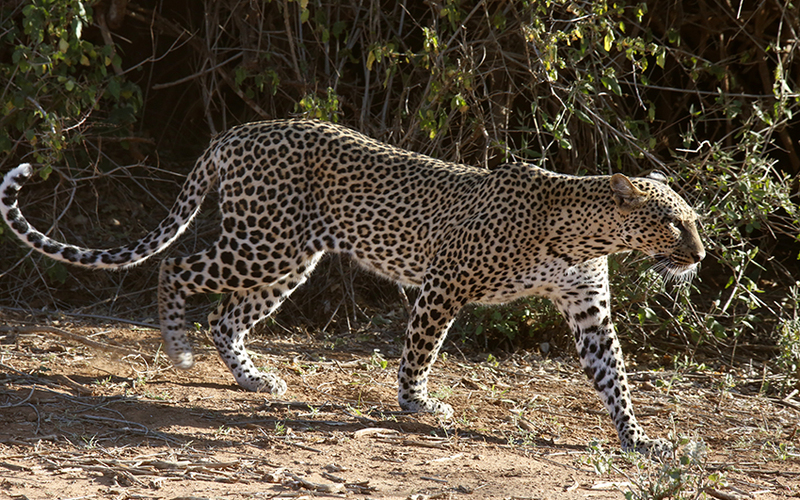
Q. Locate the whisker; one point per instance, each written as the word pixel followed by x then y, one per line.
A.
pixel 676 275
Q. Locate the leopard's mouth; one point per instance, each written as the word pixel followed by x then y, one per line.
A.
pixel 671 270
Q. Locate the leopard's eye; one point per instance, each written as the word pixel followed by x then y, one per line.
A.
pixel 673 223
pixel 676 226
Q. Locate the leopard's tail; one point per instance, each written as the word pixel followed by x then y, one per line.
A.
pixel 200 181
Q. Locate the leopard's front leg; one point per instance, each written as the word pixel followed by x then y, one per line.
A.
pixel 587 311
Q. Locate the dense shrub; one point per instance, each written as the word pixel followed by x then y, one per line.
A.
pixel 704 91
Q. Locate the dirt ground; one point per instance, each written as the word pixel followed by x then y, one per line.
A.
pixel 77 421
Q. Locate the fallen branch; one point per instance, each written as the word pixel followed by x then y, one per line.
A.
pixel 320 487
pixel 721 495
pixel 122 351
pixel 79 388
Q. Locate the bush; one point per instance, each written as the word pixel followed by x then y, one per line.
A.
pixel 60 86
pixel 578 87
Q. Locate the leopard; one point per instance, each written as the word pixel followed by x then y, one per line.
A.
pixel 291 191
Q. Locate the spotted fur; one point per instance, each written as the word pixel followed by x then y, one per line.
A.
pixel 291 191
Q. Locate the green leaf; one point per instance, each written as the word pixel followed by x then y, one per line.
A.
pixel 661 57
pixel 647 315
pixel 370 60
pixel 608 40
pixel 583 116
pixel 239 75
pixel 612 84
pixel 717 329
pixel 5 141
pixel 58 272
pixel 122 116
pixel 338 28
pixel 45 172
pixel 113 88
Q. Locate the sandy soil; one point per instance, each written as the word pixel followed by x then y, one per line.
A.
pixel 82 422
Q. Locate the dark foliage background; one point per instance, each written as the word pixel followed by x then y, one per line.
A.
pixel 114 100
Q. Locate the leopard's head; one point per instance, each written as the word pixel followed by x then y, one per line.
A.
pixel 657 221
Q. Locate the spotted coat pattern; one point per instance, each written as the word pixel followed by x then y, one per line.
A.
pixel 291 191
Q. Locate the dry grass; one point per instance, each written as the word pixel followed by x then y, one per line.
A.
pixel 101 422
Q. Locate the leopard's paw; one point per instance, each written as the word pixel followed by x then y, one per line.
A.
pixel 428 405
pixel 262 382
pixel 657 449
pixel 183 360
pixel 272 384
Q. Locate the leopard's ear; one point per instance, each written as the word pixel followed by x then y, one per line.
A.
pixel 626 196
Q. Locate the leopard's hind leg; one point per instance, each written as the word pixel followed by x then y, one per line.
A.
pixel 238 313
pixel 180 277
pixel 213 271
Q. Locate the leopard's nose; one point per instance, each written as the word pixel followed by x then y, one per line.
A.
pixel 699 254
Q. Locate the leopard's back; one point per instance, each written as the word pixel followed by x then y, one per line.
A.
pixel 323 187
